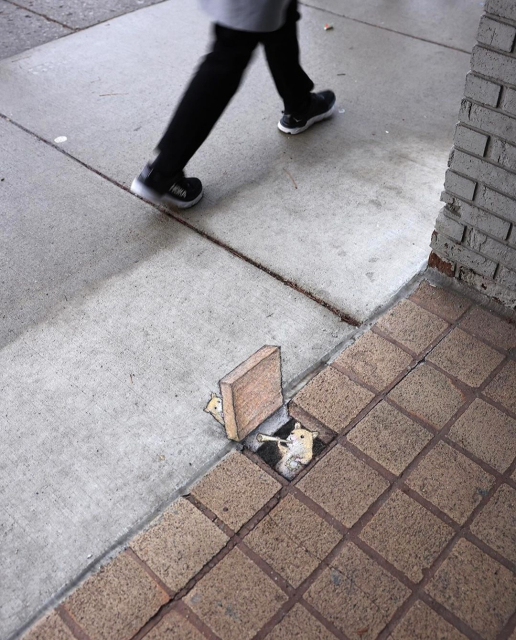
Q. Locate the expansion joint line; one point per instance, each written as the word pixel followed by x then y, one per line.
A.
pixel 345 317
pixel 379 26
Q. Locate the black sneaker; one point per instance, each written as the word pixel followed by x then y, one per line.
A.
pixel 181 192
pixel 321 107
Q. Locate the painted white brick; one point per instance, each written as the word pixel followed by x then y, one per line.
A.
pixel 450 227
pixel 494 65
pixel 483 171
pixel 496 202
pixel 482 90
pixel 488 120
pixel 487 286
pixel 447 248
pixel 503 153
pixel 459 186
pixel 509 101
pixel 470 140
pixel 491 248
pixel 496 34
pixel 502 8
pixel 475 217
pixel 507 278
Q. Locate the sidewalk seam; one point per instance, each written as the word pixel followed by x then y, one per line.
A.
pixel 344 316
pixel 377 26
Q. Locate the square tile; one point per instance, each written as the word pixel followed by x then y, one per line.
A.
pixel 450 481
pixel 449 305
pixel 422 623
pixel 333 399
pixel 235 490
pixel 293 540
pixel 496 524
pixel 180 545
pixel 50 628
pixel 465 357
pixel 476 588
pixel 407 535
pixel 411 325
pixel 343 485
pixel 503 388
pixel 429 395
pixel 235 599
pixel 485 325
pixel 389 437
pixel 174 627
pixel 357 595
pixel 488 433
pixel 116 602
pixel 373 360
pixel 298 624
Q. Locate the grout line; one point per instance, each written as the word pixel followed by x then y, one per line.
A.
pixel 259 462
pixel 195 621
pixel 266 568
pixel 427 426
pixel 326 623
pixel 132 554
pixel 71 623
pixel 162 612
pixel 345 317
pixel 329 446
pixel 427 307
pixel 274 620
pixel 319 511
pixel 370 24
pixel 496 403
pixel 506 632
pixel 262 513
pixel 467 454
pixel 489 551
pixel 210 515
pixel 449 616
pixel 430 506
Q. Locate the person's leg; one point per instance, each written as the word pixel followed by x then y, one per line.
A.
pixel 210 91
pixel 282 53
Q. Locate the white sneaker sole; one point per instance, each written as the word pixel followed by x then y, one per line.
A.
pixel 139 189
pixel 322 116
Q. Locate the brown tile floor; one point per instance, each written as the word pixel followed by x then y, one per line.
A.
pixel 404 527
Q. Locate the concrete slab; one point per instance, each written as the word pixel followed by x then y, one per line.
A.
pixel 21 30
pixel 80 14
pixel 357 226
pixel 453 24
pixel 104 374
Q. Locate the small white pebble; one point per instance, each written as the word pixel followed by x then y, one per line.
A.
pixel 386 132
pixel 60 139
pixel 342 110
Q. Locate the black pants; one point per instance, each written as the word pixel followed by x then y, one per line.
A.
pixel 217 80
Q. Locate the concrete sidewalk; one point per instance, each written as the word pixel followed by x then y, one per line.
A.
pixel 117 322
pixel 402 527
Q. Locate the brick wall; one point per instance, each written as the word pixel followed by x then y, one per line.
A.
pixel 475 233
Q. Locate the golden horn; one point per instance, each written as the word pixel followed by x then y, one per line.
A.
pixel 261 437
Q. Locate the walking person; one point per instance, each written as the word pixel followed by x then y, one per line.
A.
pixel 240 25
